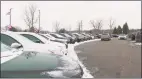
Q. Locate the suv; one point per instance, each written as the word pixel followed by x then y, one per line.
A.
pixel 105 37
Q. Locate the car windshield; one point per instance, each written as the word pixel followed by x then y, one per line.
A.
pixel 4 47
pixel 67 35
pixel 76 34
pixel 44 36
pixel 48 35
pixel 59 36
pixel 63 35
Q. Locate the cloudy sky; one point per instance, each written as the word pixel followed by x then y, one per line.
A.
pixel 69 13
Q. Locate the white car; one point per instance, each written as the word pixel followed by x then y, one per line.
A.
pixel 105 37
pixel 51 38
pixel 59 37
pixel 37 38
pixel 122 37
pixel 33 64
pixel 11 38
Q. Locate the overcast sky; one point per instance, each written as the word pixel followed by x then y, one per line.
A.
pixel 68 13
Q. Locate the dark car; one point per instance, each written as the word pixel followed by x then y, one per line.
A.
pixel 85 37
pixel 98 35
pixel 73 36
pixel 72 40
pixel 59 37
pixel 79 37
pixel 31 64
pixel 138 36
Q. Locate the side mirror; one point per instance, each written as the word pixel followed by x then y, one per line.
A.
pixel 15 45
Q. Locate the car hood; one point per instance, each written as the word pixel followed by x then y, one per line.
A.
pixel 44 48
pixel 37 65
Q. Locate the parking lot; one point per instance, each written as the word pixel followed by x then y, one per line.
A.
pixel 70 39
pixel 111 59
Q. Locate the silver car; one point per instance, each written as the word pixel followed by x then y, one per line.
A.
pixel 105 37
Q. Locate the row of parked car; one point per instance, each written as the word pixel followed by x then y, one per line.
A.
pixel 31 55
pixel 69 37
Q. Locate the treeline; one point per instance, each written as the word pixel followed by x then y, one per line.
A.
pixel 121 30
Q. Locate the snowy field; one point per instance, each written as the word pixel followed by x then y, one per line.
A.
pixel 73 55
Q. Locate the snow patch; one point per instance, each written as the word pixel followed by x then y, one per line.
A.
pixel 72 54
pixel 138 43
pixel 76 44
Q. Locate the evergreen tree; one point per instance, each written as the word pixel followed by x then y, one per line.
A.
pixel 63 30
pixel 119 30
pixel 115 31
pixel 125 28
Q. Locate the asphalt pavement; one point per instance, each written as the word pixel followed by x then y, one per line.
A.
pixel 111 59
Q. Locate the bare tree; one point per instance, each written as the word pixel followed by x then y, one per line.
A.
pixel 57 26
pixel 30 16
pixel 93 24
pixel 111 24
pixel 97 25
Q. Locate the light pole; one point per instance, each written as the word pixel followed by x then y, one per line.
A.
pixel 39 20
pixel 10 17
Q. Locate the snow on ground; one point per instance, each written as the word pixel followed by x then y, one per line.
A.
pixel 138 43
pixel 73 55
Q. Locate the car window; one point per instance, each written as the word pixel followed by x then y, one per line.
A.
pixel 8 40
pixel 4 47
pixel 63 35
pixel 59 36
pixel 32 38
pixel 67 35
pixel 76 34
pixel 44 36
pixel 54 35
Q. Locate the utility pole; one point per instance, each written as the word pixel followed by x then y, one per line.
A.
pixel 81 26
pixel 10 17
pixel 39 20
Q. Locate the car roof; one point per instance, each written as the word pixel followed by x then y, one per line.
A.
pixel 34 34
pixel 18 37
